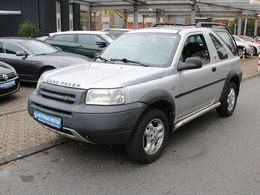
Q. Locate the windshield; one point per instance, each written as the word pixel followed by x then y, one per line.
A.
pixel 149 49
pixel 39 48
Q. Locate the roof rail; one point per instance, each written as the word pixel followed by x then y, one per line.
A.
pixel 211 24
pixel 171 24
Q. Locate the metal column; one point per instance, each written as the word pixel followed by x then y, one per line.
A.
pixel 89 18
pixel 245 28
pixel 135 18
pixel 256 27
pixel 193 11
pixel 239 26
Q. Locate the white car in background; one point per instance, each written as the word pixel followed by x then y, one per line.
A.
pixel 253 42
pixel 243 46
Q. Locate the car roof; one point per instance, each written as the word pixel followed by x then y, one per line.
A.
pixel 16 39
pixel 171 29
pixel 116 29
pixel 79 32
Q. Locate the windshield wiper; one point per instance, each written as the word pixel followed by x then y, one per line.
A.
pixel 103 59
pixel 129 61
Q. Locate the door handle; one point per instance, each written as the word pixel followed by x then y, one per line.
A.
pixel 214 69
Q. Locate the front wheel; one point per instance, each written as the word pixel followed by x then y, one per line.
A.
pixel 149 137
pixel 229 101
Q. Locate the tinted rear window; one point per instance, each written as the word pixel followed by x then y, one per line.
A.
pixel 228 40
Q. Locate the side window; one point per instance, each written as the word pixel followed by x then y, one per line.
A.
pixel 11 48
pixel 222 53
pixel 89 39
pixel 226 37
pixel 1 47
pixel 65 38
pixel 195 46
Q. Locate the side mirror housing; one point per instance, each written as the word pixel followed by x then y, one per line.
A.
pixel 101 44
pixel 21 54
pixel 190 63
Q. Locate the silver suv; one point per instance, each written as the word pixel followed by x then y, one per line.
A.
pixel 144 85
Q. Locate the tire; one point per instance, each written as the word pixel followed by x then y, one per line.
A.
pixel 255 52
pixel 240 52
pixel 229 101
pixel 146 131
pixel 45 70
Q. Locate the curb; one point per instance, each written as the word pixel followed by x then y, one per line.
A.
pixel 31 151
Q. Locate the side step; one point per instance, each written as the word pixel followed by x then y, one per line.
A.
pixel 196 115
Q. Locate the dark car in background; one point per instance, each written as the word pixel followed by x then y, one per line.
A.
pixel 9 80
pixel 116 32
pixel 31 58
pixel 87 43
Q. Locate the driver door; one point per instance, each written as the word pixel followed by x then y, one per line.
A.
pixel 197 88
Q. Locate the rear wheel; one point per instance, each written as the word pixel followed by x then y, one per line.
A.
pixel 150 137
pixel 229 101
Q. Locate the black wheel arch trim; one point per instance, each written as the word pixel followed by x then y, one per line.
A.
pixel 157 96
pixel 231 75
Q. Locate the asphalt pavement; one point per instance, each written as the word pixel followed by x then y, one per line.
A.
pixel 210 155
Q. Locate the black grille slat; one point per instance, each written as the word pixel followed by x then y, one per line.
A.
pixel 61 97
pixel 10 76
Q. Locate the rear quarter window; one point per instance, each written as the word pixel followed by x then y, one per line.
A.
pixel 222 53
pixel 63 38
pixel 228 40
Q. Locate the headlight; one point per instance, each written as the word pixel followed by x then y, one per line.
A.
pixel 106 96
pixel 40 81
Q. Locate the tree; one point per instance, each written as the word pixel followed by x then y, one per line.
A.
pixel 28 29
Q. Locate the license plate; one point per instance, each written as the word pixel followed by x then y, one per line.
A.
pixel 7 84
pixel 47 119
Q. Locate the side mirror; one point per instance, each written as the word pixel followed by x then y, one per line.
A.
pixel 21 53
pixel 190 63
pixel 101 44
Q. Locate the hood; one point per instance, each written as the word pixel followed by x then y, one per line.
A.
pixel 62 59
pixel 99 75
pixel 5 68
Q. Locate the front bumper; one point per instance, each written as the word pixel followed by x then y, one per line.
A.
pixel 95 124
pixel 9 91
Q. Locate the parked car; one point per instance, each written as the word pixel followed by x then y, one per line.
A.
pixel 253 42
pixel 145 84
pixel 243 46
pixel 43 38
pixel 257 39
pixel 31 58
pixel 116 32
pixel 9 80
pixel 87 43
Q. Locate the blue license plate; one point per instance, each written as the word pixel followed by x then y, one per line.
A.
pixel 48 119
pixel 7 84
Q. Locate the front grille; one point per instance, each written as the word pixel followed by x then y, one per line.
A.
pixel 46 109
pixel 58 96
pixel 10 76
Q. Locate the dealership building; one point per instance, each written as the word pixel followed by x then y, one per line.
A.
pixel 63 15
pixel 49 15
